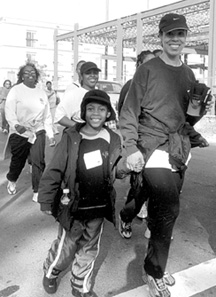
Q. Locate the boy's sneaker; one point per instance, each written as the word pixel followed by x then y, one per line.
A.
pixel 11 188
pixel 125 229
pixel 50 284
pixel 157 287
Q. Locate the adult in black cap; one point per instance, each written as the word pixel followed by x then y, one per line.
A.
pixel 153 123
pixel 68 111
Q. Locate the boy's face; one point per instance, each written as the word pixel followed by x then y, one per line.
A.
pixel 89 79
pixel 173 42
pixel 96 115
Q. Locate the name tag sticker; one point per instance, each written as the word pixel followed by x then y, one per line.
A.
pixel 93 159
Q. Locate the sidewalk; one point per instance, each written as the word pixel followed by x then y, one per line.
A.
pixel 26 235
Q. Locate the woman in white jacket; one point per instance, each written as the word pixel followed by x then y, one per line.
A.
pixel 28 114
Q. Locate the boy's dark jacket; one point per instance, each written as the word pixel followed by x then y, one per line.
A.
pixel 63 168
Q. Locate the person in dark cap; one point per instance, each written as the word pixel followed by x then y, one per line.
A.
pixel 154 125
pixel 68 110
pixel 85 159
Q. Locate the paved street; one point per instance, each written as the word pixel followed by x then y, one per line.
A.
pixel 26 235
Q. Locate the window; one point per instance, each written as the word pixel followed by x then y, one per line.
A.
pixel 31 57
pixel 30 39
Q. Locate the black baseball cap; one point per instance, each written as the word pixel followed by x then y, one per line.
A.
pixel 172 21
pixel 88 66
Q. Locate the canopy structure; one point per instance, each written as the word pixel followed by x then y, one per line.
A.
pixel 140 31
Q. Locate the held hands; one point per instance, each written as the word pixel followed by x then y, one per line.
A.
pixel 135 162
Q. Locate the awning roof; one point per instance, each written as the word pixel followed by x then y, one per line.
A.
pixel 197 15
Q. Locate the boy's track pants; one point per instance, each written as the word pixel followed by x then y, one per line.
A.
pixel 79 247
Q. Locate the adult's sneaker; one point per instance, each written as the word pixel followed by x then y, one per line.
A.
pixel 157 287
pixel 35 197
pixel 143 213
pixel 147 233
pixel 50 284
pixel 169 279
pixel 125 229
pixel 11 188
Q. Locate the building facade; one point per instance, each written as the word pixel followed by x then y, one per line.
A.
pixel 25 40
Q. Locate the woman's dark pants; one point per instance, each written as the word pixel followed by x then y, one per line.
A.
pixel 20 150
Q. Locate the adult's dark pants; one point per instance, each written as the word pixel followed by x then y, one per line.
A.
pixel 20 150
pixel 162 187
pixel 137 195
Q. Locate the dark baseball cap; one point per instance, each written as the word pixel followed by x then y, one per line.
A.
pixel 172 21
pixel 100 97
pixel 88 66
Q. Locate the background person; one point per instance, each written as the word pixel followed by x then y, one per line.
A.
pixel 76 83
pixel 131 207
pixel 85 159
pixel 3 95
pixel 53 102
pixel 153 123
pixel 143 57
pixel 68 111
pixel 28 114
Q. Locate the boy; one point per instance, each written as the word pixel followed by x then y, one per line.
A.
pixel 86 158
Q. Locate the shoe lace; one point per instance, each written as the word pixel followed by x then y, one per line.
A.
pixel 127 227
pixel 12 185
pixel 160 283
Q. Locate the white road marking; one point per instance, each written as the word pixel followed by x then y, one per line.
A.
pixel 188 282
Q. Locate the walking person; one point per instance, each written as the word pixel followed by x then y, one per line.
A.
pixel 153 123
pixel 28 114
pixel 3 95
pixel 68 111
pixel 131 207
pixel 143 57
pixel 136 203
pixel 85 161
pixel 77 82
pixel 53 102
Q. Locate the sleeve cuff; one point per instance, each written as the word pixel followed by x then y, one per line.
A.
pixel 45 206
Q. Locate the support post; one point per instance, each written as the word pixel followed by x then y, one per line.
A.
pixel 119 51
pixel 76 49
pixel 212 50
pixel 55 78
